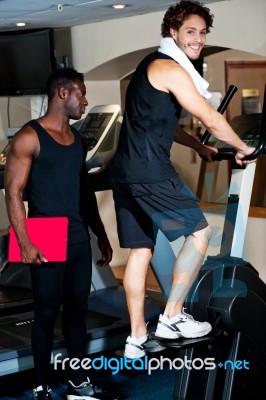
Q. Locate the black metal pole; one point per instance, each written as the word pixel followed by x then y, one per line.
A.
pixel 221 109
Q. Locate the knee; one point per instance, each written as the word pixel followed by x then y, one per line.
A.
pixel 46 316
pixel 141 256
pixel 203 236
pixel 136 270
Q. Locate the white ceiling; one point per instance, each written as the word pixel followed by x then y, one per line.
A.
pixel 57 13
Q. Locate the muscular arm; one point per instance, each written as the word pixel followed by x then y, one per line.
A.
pixel 184 138
pixel 23 148
pixel 170 77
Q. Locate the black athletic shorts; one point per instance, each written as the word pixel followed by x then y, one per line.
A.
pixel 142 209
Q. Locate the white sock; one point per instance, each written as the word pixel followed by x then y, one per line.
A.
pixel 140 339
pixel 173 319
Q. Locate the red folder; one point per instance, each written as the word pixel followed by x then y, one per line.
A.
pixel 48 234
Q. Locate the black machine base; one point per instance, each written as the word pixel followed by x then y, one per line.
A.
pixel 230 295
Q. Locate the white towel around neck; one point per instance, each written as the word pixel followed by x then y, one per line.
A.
pixel 169 47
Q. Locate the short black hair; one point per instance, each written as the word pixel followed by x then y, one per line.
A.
pixel 62 77
pixel 176 15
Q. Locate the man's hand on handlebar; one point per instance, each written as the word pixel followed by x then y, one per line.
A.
pixel 206 152
pixel 241 155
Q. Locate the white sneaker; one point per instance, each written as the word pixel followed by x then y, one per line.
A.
pixel 42 393
pixel 138 347
pixel 183 325
pixel 87 391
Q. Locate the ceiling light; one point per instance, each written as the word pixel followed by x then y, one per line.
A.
pixel 119 6
pixel 20 23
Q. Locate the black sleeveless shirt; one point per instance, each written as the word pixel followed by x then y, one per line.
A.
pixel 54 184
pixel 148 130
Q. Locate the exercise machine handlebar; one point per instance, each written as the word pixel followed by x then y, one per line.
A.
pixel 221 109
pixel 226 153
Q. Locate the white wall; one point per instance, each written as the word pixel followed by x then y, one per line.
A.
pixel 14 111
pixel 95 90
pixel 239 24
pixel 94 44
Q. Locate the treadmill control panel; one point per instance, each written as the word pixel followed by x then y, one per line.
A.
pixel 94 126
pixel 99 130
pixel 252 136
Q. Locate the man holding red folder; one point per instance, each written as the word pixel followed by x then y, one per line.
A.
pixel 46 162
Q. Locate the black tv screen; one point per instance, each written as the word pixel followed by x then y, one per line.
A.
pixel 26 60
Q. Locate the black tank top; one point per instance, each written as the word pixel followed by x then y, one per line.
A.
pixel 148 130
pixel 53 187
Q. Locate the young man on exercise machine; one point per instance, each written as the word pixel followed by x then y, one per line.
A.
pixel 148 192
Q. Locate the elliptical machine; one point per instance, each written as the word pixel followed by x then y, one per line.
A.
pixel 228 293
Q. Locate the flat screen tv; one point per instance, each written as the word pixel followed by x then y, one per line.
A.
pixel 26 60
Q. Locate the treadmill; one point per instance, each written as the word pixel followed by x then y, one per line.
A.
pixel 108 322
pixel 228 293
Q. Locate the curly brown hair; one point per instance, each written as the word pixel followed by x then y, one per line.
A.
pixel 176 14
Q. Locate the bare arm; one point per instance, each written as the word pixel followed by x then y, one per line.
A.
pixel 168 76
pixel 184 138
pixel 23 148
